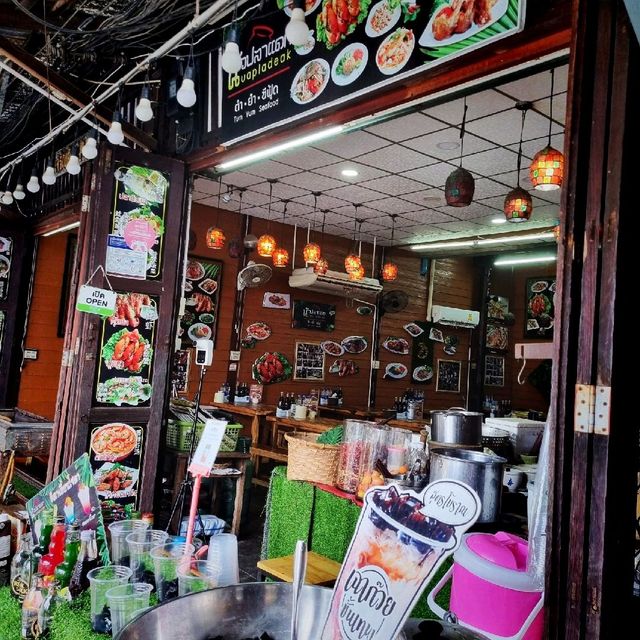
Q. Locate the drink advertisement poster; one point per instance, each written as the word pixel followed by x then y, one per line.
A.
pixel 72 495
pixel 115 452
pixel 137 225
pixel 126 351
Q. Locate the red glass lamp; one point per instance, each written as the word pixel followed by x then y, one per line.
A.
pixel 389 271
pixel 321 267
pixel 215 238
pixel 547 169
pixel 266 245
pixel 358 274
pixel 352 263
pixel 311 253
pixel 280 257
pixel 518 205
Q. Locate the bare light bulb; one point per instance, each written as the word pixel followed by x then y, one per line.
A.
pixel 115 135
pixel 297 31
pixel 186 95
pixel 49 175
pixel 18 192
pixel 33 185
pixel 90 147
pixel 144 112
pixel 7 198
pixel 231 59
pixel 73 165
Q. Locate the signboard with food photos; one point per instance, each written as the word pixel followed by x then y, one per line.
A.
pixel 202 292
pixel 126 351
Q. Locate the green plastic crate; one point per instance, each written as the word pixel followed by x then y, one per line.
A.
pixel 179 435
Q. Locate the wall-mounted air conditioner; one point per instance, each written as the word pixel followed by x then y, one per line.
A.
pixel 333 282
pixel 455 317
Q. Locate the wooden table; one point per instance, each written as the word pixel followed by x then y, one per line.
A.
pixel 239 461
pixel 255 411
pixel 321 571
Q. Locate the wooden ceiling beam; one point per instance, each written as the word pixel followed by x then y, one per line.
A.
pixel 59 84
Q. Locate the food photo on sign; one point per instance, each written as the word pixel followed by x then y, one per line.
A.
pixel 203 278
pixel 540 300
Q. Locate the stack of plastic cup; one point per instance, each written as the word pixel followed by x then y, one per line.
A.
pixel 101 580
pixel 166 559
pixel 126 602
pixel 223 551
pixel 197 575
pixel 119 532
pixel 140 545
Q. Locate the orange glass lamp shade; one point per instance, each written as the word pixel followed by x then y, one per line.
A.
pixel 280 257
pixel 311 252
pixel 358 274
pixel 266 245
pixel 547 169
pixel 518 205
pixel 321 267
pixel 215 238
pixel 389 271
pixel 352 263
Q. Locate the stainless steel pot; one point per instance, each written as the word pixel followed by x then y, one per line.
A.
pixel 456 426
pixel 480 471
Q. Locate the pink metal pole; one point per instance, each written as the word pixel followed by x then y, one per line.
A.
pixel 193 511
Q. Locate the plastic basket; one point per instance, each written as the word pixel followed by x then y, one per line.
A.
pixel 179 435
pixel 310 461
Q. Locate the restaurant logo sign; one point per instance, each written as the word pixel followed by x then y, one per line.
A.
pixel 313 315
pixel 355 47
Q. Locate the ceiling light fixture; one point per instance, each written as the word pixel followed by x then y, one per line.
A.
pixel 349 173
pixel 90 147
pixel 460 185
pixel 231 59
pixel 266 242
pixel 115 135
pixel 73 164
pixel 49 175
pixel 18 192
pixel 502 262
pixel 7 198
pixel 66 227
pixel 297 31
pixel 390 269
pixel 186 95
pixel 33 186
pixel 518 204
pixel 278 148
pixel 215 235
pixel 547 167
pixel 352 262
pixel 502 220
pixel 311 252
pixel 447 145
pixel 144 112
pixel 545 235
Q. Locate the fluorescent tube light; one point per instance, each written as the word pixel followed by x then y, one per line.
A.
pixel 547 235
pixel 532 260
pixel 67 227
pixel 278 148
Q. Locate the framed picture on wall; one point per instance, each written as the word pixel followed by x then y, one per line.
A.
pixel 540 308
pixel 494 371
pixel 448 378
pixel 497 337
pixel 309 363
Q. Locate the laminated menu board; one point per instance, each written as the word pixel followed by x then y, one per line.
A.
pixel 5 266
pixel 540 308
pixel 126 351
pixel 115 453
pixel 202 292
pixel 313 315
pixel 137 223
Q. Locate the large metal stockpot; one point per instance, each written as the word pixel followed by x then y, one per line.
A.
pixel 480 471
pixel 456 426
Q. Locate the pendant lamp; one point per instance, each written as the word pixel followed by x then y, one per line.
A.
pixel 352 262
pixel 281 255
pixel 311 252
pixel 547 167
pixel 215 235
pixel 389 268
pixel 267 243
pixel 358 274
pixel 460 185
pixel 518 205
pixel 322 266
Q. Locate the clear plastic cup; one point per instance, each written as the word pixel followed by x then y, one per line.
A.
pixel 101 580
pixel 223 551
pixel 140 544
pixel 197 575
pixel 166 559
pixel 119 532
pixel 126 602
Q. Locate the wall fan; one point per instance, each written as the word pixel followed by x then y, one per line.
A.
pixel 253 275
pixel 394 301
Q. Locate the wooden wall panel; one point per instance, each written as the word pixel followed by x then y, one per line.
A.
pixel 39 380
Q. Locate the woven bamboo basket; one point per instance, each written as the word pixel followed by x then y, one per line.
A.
pixel 311 461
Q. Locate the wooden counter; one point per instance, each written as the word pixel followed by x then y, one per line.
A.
pixel 255 411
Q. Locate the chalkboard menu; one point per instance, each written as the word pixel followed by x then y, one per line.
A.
pixel 313 315
pixel 5 266
pixel 126 350
pixel 355 47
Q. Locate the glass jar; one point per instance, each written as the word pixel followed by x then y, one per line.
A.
pixel 21 568
pixel 375 450
pixel 397 449
pixel 351 455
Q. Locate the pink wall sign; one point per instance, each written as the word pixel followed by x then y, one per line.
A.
pixel 140 235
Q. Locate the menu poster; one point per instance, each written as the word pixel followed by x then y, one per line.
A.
pixel 313 315
pixel 115 453
pixel 72 495
pixel 309 361
pixel 422 355
pixel 540 307
pixel 180 371
pixel 355 48
pixel 5 266
pixel 202 291
pixel 125 352
pixel 494 371
pixel 137 222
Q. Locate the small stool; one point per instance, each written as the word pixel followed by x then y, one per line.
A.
pixel 321 571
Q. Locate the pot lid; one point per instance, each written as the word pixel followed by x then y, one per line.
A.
pixel 502 549
pixel 455 411
pixel 436 630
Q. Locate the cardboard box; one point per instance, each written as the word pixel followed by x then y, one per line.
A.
pixel 19 522
pixel 522 433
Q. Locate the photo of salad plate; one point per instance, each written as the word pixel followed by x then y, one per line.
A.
pixel 310 81
pixel 422 373
pixel 395 50
pixel 349 64
pixel 395 370
pixel 383 17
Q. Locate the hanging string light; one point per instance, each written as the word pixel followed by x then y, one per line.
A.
pixel 518 205
pixel 322 266
pixel 460 185
pixel 352 262
pixel 547 167
pixel 33 186
pixel 266 242
pixel 297 31
pixel 311 252
pixel 281 255
pixel 90 147
pixel 18 192
pixel 389 268
pixel 115 134
pixel 186 95
pixel 215 235
pixel 73 164
pixel 231 59
pixel 143 110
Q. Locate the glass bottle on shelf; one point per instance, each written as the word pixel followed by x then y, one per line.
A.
pixel 64 569
pixel 340 396
pixel 21 568
pixel 52 599
pixel 281 407
pixel 55 553
pixel 87 560
pixel 46 529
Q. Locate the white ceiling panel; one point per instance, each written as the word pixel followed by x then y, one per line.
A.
pixel 206 186
pixel 537 86
pixel 428 197
pixel 363 212
pixel 427 216
pixel 429 144
pixel 325 201
pixel 308 158
pixel 434 175
pixel 240 179
pixel 504 128
pixel 393 205
pixel 559 107
pixel 271 169
pixel 393 185
pixel 354 193
pixel 395 159
pixel 480 105
pixel 406 127
pixel 205 198
pixel 312 181
pixel 352 144
pixel 365 172
pixel 295 208
pixel 485 188
pixel 280 190
pixel 254 198
pixel 490 162
pixel 531 147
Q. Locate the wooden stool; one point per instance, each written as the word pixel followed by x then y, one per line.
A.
pixel 321 571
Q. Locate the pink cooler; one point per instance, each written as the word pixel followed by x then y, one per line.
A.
pixel 491 591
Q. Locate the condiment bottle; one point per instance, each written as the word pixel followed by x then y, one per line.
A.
pixel 87 560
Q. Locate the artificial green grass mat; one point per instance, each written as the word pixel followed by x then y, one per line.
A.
pixel 9 615
pixel 300 511
pixel 25 489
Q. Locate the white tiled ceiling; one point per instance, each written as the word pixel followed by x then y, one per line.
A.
pixel 402 170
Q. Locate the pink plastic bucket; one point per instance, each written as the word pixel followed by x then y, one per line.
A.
pixel 491 590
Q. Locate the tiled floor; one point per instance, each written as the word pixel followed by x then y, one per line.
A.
pixel 250 541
